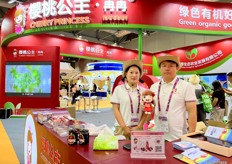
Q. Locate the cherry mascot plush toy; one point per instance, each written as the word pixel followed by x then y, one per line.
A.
pixel 147 99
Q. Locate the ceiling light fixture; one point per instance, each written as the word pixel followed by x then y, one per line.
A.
pixel 145 33
pixel 114 44
pixel 79 37
pixel 12 1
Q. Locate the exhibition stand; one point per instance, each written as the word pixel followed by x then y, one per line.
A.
pixel 27 49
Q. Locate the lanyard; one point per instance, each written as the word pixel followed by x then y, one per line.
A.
pixel 170 96
pixel 131 103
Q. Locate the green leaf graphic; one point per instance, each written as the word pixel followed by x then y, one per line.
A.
pixel 191 55
pixel 194 51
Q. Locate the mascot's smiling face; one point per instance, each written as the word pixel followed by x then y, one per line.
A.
pixel 147 98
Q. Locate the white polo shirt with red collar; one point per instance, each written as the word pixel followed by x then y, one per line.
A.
pixel 121 97
pixel 177 120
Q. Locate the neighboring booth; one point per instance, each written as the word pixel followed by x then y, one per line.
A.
pixel 67 76
pixel 104 75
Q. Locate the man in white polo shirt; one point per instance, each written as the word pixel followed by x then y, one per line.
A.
pixel 174 97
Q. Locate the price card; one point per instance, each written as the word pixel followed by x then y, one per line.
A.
pixel 146 144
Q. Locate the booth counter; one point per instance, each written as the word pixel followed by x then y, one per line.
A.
pixel 48 146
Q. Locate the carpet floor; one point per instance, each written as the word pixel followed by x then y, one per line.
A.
pixel 8 155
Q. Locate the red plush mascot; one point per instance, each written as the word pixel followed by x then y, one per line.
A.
pixel 147 98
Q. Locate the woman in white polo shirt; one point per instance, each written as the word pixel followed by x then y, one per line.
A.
pixel 126 100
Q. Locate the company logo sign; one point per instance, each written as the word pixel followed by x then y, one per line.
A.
pixel 192 54
pixel 54 8
pixel 115 11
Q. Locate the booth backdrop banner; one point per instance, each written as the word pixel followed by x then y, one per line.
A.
pixel 82 49
pixel 172 15
pixel 201 58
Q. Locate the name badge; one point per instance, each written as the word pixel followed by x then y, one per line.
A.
pixel 163 123
pixel 134 120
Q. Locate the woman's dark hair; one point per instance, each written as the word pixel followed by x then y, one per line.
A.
pixel 140 80
pixel 217 85
pixel 133 66
pixel 123 78
pixel 229 74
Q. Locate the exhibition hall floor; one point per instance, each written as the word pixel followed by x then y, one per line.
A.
pixel 12 133
pixel 88 103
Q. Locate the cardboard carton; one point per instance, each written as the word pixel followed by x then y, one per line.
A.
pixel 216 123
pixel 199 139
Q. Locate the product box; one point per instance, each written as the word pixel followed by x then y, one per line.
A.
pixel 199 156
pixel 183 145
pixel 200 140
pixel 184 159
pixel 43 117
pixel 219 142
pixel 218 133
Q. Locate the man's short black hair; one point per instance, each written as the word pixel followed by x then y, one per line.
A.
pixel 229 74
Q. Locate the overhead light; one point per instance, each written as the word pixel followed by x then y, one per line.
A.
pixel 145 33
pixel 114 44
pixel 12 1
pixel 79 37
